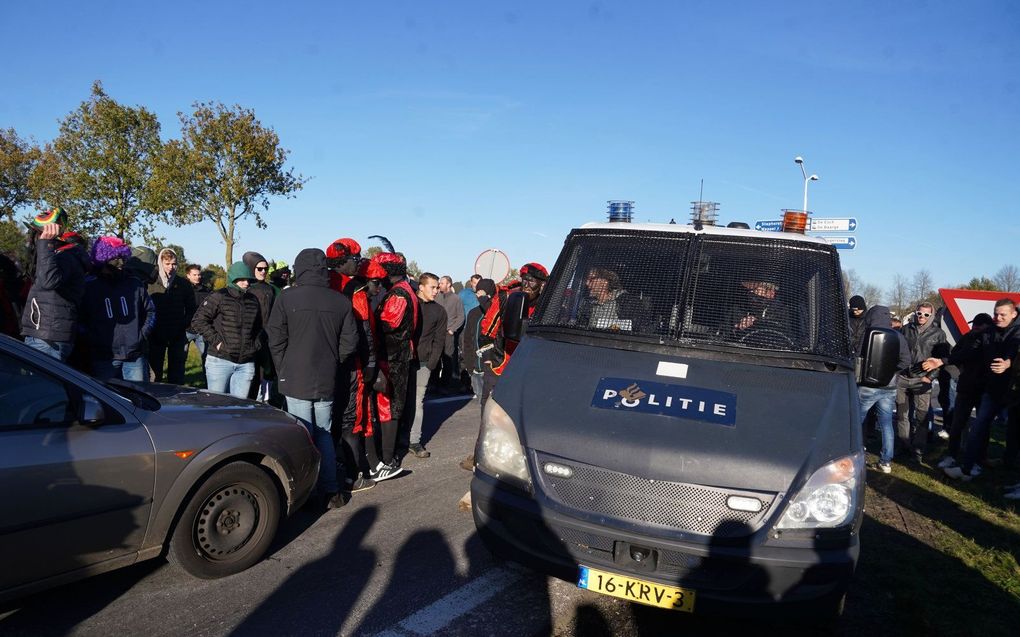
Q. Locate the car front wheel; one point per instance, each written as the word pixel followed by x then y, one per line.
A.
pixel 228 524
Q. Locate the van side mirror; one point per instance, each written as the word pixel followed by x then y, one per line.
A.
pixel 879 357
pixel 92 412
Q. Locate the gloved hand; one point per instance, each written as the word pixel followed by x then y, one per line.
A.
pixel 368 375
pixel 380 383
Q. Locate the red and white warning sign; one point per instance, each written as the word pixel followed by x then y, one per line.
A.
pixel 964 305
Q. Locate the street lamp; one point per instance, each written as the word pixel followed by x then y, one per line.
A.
pixel 800 162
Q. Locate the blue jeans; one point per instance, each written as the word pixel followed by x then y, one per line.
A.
pixel 977 436
pixel 56 349
pixel 884 399
pixel 318 417
pixel 221 374
pixel 135 370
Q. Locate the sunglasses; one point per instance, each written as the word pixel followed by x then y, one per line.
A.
pixel 261 269
pixel 924 314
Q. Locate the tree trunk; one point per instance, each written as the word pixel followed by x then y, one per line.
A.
pixel 228 236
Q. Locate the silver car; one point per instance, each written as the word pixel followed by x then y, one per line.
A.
pixel 96 475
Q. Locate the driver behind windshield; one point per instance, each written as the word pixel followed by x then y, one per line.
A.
pixel 757 308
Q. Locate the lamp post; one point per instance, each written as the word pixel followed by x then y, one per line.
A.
pixel 800 162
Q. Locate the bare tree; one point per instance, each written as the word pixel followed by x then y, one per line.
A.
pixel 1007 278
pixel 899 295
pixel 922 287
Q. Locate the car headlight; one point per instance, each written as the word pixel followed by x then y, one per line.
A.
pixel 499 452
pixel 830 497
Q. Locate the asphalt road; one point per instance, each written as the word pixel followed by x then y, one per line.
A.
pixel 398 560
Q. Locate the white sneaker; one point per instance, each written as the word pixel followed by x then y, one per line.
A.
pixel 386 471
pixel 948 461
pixel 943 434
pixel 885 467
pixel 957 473
pixel 1013 495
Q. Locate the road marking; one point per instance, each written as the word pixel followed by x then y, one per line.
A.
pixel 442 612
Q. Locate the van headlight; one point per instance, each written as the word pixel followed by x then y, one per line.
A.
pixel 499 452
pixel 830 497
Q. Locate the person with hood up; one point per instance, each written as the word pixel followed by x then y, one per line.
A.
pixel 117 315
pixel 230 321
pixel 311 335
pixel 49 321
pixel 855 319
pixel 914 386
pixel 882 398
pixel 473 338
pixel 175 305
pixel 261 388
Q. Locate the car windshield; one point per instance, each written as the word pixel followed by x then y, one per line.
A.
pixel 680 288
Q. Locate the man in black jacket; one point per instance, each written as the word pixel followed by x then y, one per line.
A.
pixel 264 373
pixel 311 334
pixel 914 385
pixel 175 306
pixel 855 319
pixel 201 290
pixel 429 340
pixel 999 346
pixel 473 339
pixel 49 322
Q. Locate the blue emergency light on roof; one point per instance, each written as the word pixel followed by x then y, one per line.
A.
pixel 620 211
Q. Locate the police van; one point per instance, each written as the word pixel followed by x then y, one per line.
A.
pixel 680 426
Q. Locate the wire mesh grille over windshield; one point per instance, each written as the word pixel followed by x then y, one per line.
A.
pixel 686 288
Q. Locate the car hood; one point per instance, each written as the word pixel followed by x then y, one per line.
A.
pixel 726 424
pixel 200 411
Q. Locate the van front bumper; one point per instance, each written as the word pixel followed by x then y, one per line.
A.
pixel 749 572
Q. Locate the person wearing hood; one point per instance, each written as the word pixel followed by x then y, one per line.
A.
pixel 473 338
pixel 175 305
pixel 311 336
pixel 117 315
pixel 230 321
pixel 882 398
pixel 855 319
pixel 265 293
pixel 914 386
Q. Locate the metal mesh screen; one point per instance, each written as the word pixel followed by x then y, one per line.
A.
pixel 672 287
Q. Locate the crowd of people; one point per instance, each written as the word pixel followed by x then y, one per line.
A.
pixel 980 374
pixel 349 345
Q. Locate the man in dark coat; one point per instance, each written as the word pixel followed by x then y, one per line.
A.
pixel 855 318
pixel 266 295
pixel 473 338
pixel 914 386
pixel 49 321
pixel 201 290
pixel 311 334
pixel 429 342
pixel 175 305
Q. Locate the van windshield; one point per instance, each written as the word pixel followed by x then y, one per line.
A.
pixel 694 289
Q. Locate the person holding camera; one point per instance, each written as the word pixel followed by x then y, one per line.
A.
pixel 49 321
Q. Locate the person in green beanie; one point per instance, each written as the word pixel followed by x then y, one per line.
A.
pixel 230 321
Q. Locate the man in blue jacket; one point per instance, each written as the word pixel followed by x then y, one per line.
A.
pixel 117 315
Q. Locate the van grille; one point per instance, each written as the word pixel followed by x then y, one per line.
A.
pixel 597 492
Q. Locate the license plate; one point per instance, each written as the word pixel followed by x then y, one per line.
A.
pixel 635 590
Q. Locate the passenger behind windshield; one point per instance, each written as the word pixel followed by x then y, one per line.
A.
pixel 609 306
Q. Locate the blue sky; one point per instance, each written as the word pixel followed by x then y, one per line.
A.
pixel 452 127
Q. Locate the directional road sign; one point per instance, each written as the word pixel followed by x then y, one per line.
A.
pixel 841 243
pixel 769 225
pixel 829 224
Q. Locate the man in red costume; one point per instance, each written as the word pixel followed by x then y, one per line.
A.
pixel 349 274
pixel 396 318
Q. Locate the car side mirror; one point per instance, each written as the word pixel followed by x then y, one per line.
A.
pixel 880 356
pixel 92 412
